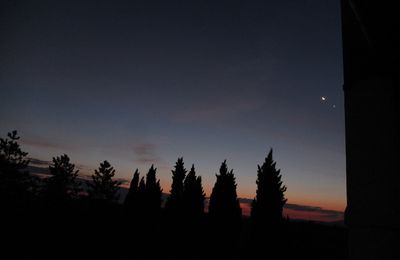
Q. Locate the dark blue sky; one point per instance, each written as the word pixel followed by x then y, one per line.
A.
pixel 141 82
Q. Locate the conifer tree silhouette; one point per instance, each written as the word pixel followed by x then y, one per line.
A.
pixel 15 181
pixel 142 187
pixel 174 204
pixel 224 204
pixel 193 195
pixel 153 193
pixel 131 199
pixel 224 214
pixel 144 211
pixel 103 187
pixel 62 185
pixel 268 204
pixel 142 197
pixel 190 224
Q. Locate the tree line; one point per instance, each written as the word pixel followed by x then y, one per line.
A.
pixel 183 215
pixel 186 197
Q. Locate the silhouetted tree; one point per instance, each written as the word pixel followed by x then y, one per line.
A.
pixel 268 205
pixel 142 197
pixel 103 187
pixel 153 192
pixel 62 185
pixel 224 204
pixel 225 214
pixel 143 208
pixel 131 199
pixel 193 195
pixel 174 204
pixel 189 224
pixel 15 181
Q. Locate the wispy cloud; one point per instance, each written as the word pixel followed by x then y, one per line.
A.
pixel 146 153
pixel 39 166
pixel 38 170
pixel 297 211
pixel 44 143
pixel 39 162
pixel 313 209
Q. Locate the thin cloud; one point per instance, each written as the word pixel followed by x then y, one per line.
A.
pixel 317 212
pixel 39 166
pixel 146 153
pixel 311 209
pixel 38 170
pixel 42 143
pixel 39 162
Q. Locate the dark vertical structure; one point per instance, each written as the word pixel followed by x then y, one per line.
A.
pixel 371 49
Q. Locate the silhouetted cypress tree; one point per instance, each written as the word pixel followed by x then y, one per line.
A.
pixel 15 181
pixel 191 227
pixel 145 221
pixel 61 186
pixel 268 205
pixel 131 198
pixel 224 204
pixel 103 187
pixel 174 204
pixel 142 186
pixel 225 214
pixel 141 197
pixel 193 195
pixel 153 192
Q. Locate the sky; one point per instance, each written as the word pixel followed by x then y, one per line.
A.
pixel 143 82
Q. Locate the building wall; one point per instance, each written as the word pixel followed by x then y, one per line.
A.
pixel 371 85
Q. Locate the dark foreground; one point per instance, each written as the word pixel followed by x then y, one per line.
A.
pixel 92 232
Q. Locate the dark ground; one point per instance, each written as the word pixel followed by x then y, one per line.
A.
pixel 82 232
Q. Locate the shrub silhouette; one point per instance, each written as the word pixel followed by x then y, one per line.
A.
pixel 103 187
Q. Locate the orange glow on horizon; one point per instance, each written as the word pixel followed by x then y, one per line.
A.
pixel 333 205
pixel 299 214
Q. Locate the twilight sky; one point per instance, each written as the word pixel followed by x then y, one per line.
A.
pixel 141 82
